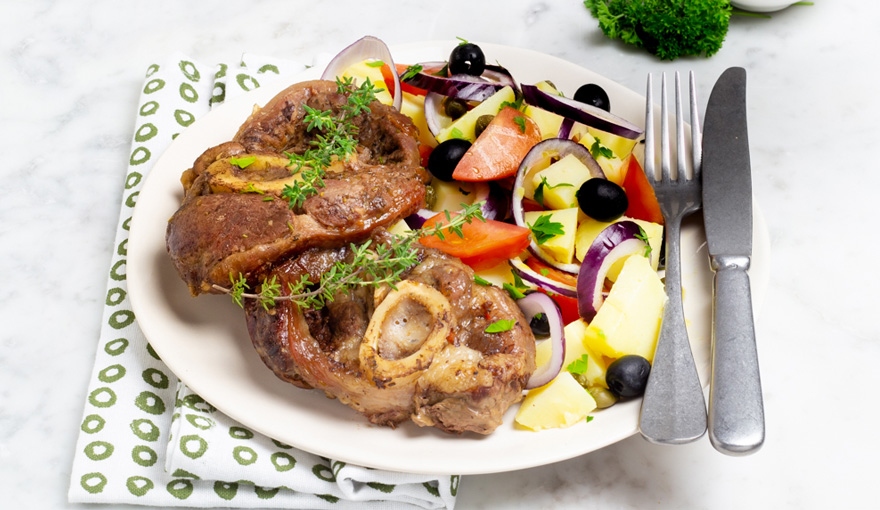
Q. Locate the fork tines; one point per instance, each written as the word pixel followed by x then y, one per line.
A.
pixel 681 141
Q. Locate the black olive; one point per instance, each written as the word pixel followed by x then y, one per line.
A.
pixel 594 95
pixel 627 376
pixel 444 157
pixel 454 108
pixel 481 123
pixel 602 199
pixel 540 325
pixel 467 58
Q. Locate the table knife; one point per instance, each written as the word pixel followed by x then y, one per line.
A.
pixel 736 409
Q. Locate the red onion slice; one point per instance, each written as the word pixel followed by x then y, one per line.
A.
pixel 530 275
pixel 531 305
pixel 365 48
pixel 497 203
pixel 618 240
pixel 417 219
pixel 434 116
pixel 581 112
pixel 461 86
pixel 552 147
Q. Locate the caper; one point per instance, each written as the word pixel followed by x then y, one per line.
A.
pixel 481 123
pixel 602 396
pixel 454 108
pixel 430 197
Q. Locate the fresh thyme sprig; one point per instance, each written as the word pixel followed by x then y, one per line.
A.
pixel 335 139
pixel 371 264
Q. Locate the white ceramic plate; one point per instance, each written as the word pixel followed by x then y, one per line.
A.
pixel 761 5
pixel 205 343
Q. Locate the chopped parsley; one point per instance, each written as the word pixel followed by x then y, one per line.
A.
pixel 543 185
pixel 242 162
pixel 517 288
pixel 643 236
pixel 500 326
pixel 543 229
pixel 597 150
pixel 578 366
pixel 411 71
pixel 479 280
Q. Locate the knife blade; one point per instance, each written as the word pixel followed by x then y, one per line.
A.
pixel 736 408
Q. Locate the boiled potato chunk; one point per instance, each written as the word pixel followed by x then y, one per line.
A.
pixel 575 348
pixel 613 166
pixel 628 322
pixel 450 195
pixel 560 246
pixel 463 127
pixel 586 135
pixel 371 69
pixel 548 122
pixel 562 179
pixel 400 228
pixel 621 146
pixel 413 106
pixel 560 403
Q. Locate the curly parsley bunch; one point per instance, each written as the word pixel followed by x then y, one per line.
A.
pixel 666 28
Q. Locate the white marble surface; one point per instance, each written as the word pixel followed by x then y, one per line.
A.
pixel 70 73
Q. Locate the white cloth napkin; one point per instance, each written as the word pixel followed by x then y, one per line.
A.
pixel 145 438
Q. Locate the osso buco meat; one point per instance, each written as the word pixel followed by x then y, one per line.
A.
pixel 419 351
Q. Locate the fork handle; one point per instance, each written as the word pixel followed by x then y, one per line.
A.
pixel 673 407
pixel 736 409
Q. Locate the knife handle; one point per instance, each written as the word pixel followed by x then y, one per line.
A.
pixel 736 408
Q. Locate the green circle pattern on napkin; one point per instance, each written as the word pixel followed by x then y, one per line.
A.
pixel 145 438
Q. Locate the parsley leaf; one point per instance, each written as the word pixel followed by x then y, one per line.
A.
pixel 597 150
pixel 543 229
pixel 411 71
pixel 479 280
pixel 517 288
pixel 539 191
pixel 251 188
pixel 578 366
pixel 242 162
pixel 643 236
pixel 514 292
pixel 500 326
pixel 516 105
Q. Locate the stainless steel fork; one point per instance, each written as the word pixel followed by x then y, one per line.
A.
pixel 673 408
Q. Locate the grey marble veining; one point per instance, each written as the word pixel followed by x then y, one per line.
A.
pixel 70 74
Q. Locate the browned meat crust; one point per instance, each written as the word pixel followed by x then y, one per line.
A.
pixel 215 234
pixel 466 384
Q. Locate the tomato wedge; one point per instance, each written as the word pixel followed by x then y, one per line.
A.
pixel 498 151
pixel 404 87
pixel 551 272
pixel 568 306
pixel 643 203
pixel 483 244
